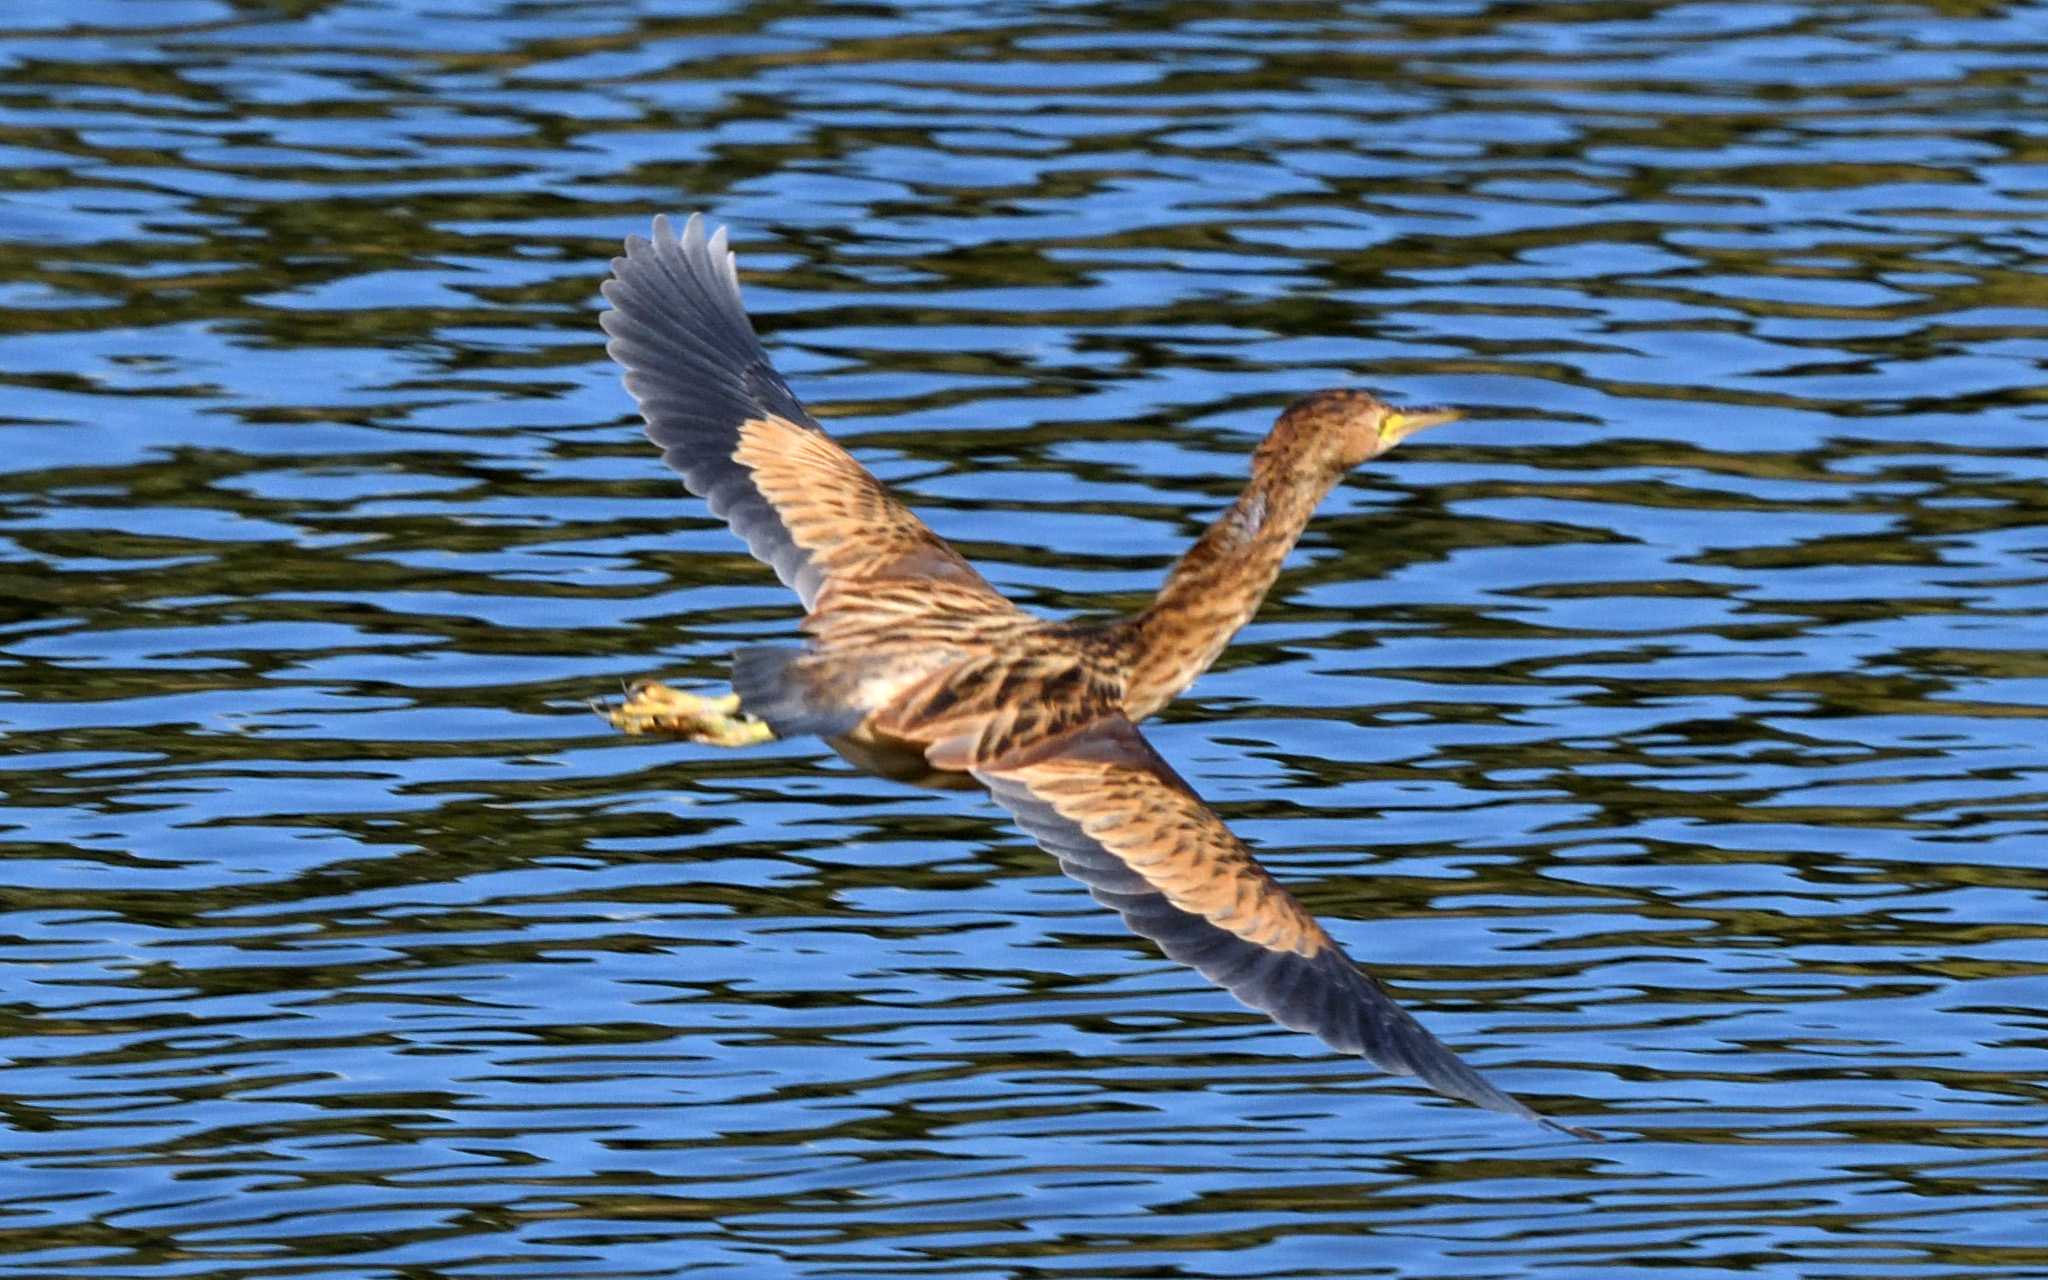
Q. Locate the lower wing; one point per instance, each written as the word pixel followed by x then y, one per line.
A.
pixel 1119 820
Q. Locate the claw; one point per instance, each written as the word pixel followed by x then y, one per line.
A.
pixel 653 707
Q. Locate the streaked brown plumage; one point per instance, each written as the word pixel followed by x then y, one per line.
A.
pixel 916 668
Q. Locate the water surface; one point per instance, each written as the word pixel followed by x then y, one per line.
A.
pixel 1668 735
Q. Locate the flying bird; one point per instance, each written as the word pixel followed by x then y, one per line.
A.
pixel 915 668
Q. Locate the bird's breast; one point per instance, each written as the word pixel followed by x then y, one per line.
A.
pixel 897 759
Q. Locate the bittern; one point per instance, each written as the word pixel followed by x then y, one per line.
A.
pixel 917 669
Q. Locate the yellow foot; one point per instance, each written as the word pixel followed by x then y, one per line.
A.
pixel 653 707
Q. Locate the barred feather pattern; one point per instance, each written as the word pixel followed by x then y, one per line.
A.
pixel 996 706
pixel 847 525
pixel 1219 583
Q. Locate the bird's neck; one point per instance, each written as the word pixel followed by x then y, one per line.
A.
pixel 1216 587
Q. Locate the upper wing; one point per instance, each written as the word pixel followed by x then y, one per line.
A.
pixel 730 426
pixel 1122 822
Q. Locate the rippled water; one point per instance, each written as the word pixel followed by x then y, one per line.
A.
pixel 1669 735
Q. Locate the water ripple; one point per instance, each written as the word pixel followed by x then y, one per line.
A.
pixel 1665 734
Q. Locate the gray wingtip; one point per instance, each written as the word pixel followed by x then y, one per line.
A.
pixel 691 241
pixel 1572 1130
pixel 708 256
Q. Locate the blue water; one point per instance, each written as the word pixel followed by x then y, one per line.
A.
pixel 1669 735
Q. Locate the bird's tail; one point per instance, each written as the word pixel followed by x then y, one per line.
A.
pixel 793 691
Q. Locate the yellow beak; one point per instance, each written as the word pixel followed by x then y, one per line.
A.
pixel 1399 424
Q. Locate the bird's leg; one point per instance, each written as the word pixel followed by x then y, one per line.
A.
pixel 653 707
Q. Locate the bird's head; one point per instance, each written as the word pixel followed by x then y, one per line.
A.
pixel 1344 428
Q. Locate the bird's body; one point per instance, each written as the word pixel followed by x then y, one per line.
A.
pixel 915 668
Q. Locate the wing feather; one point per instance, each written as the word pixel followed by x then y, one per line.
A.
pixel 1118 819
pixel 730 426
